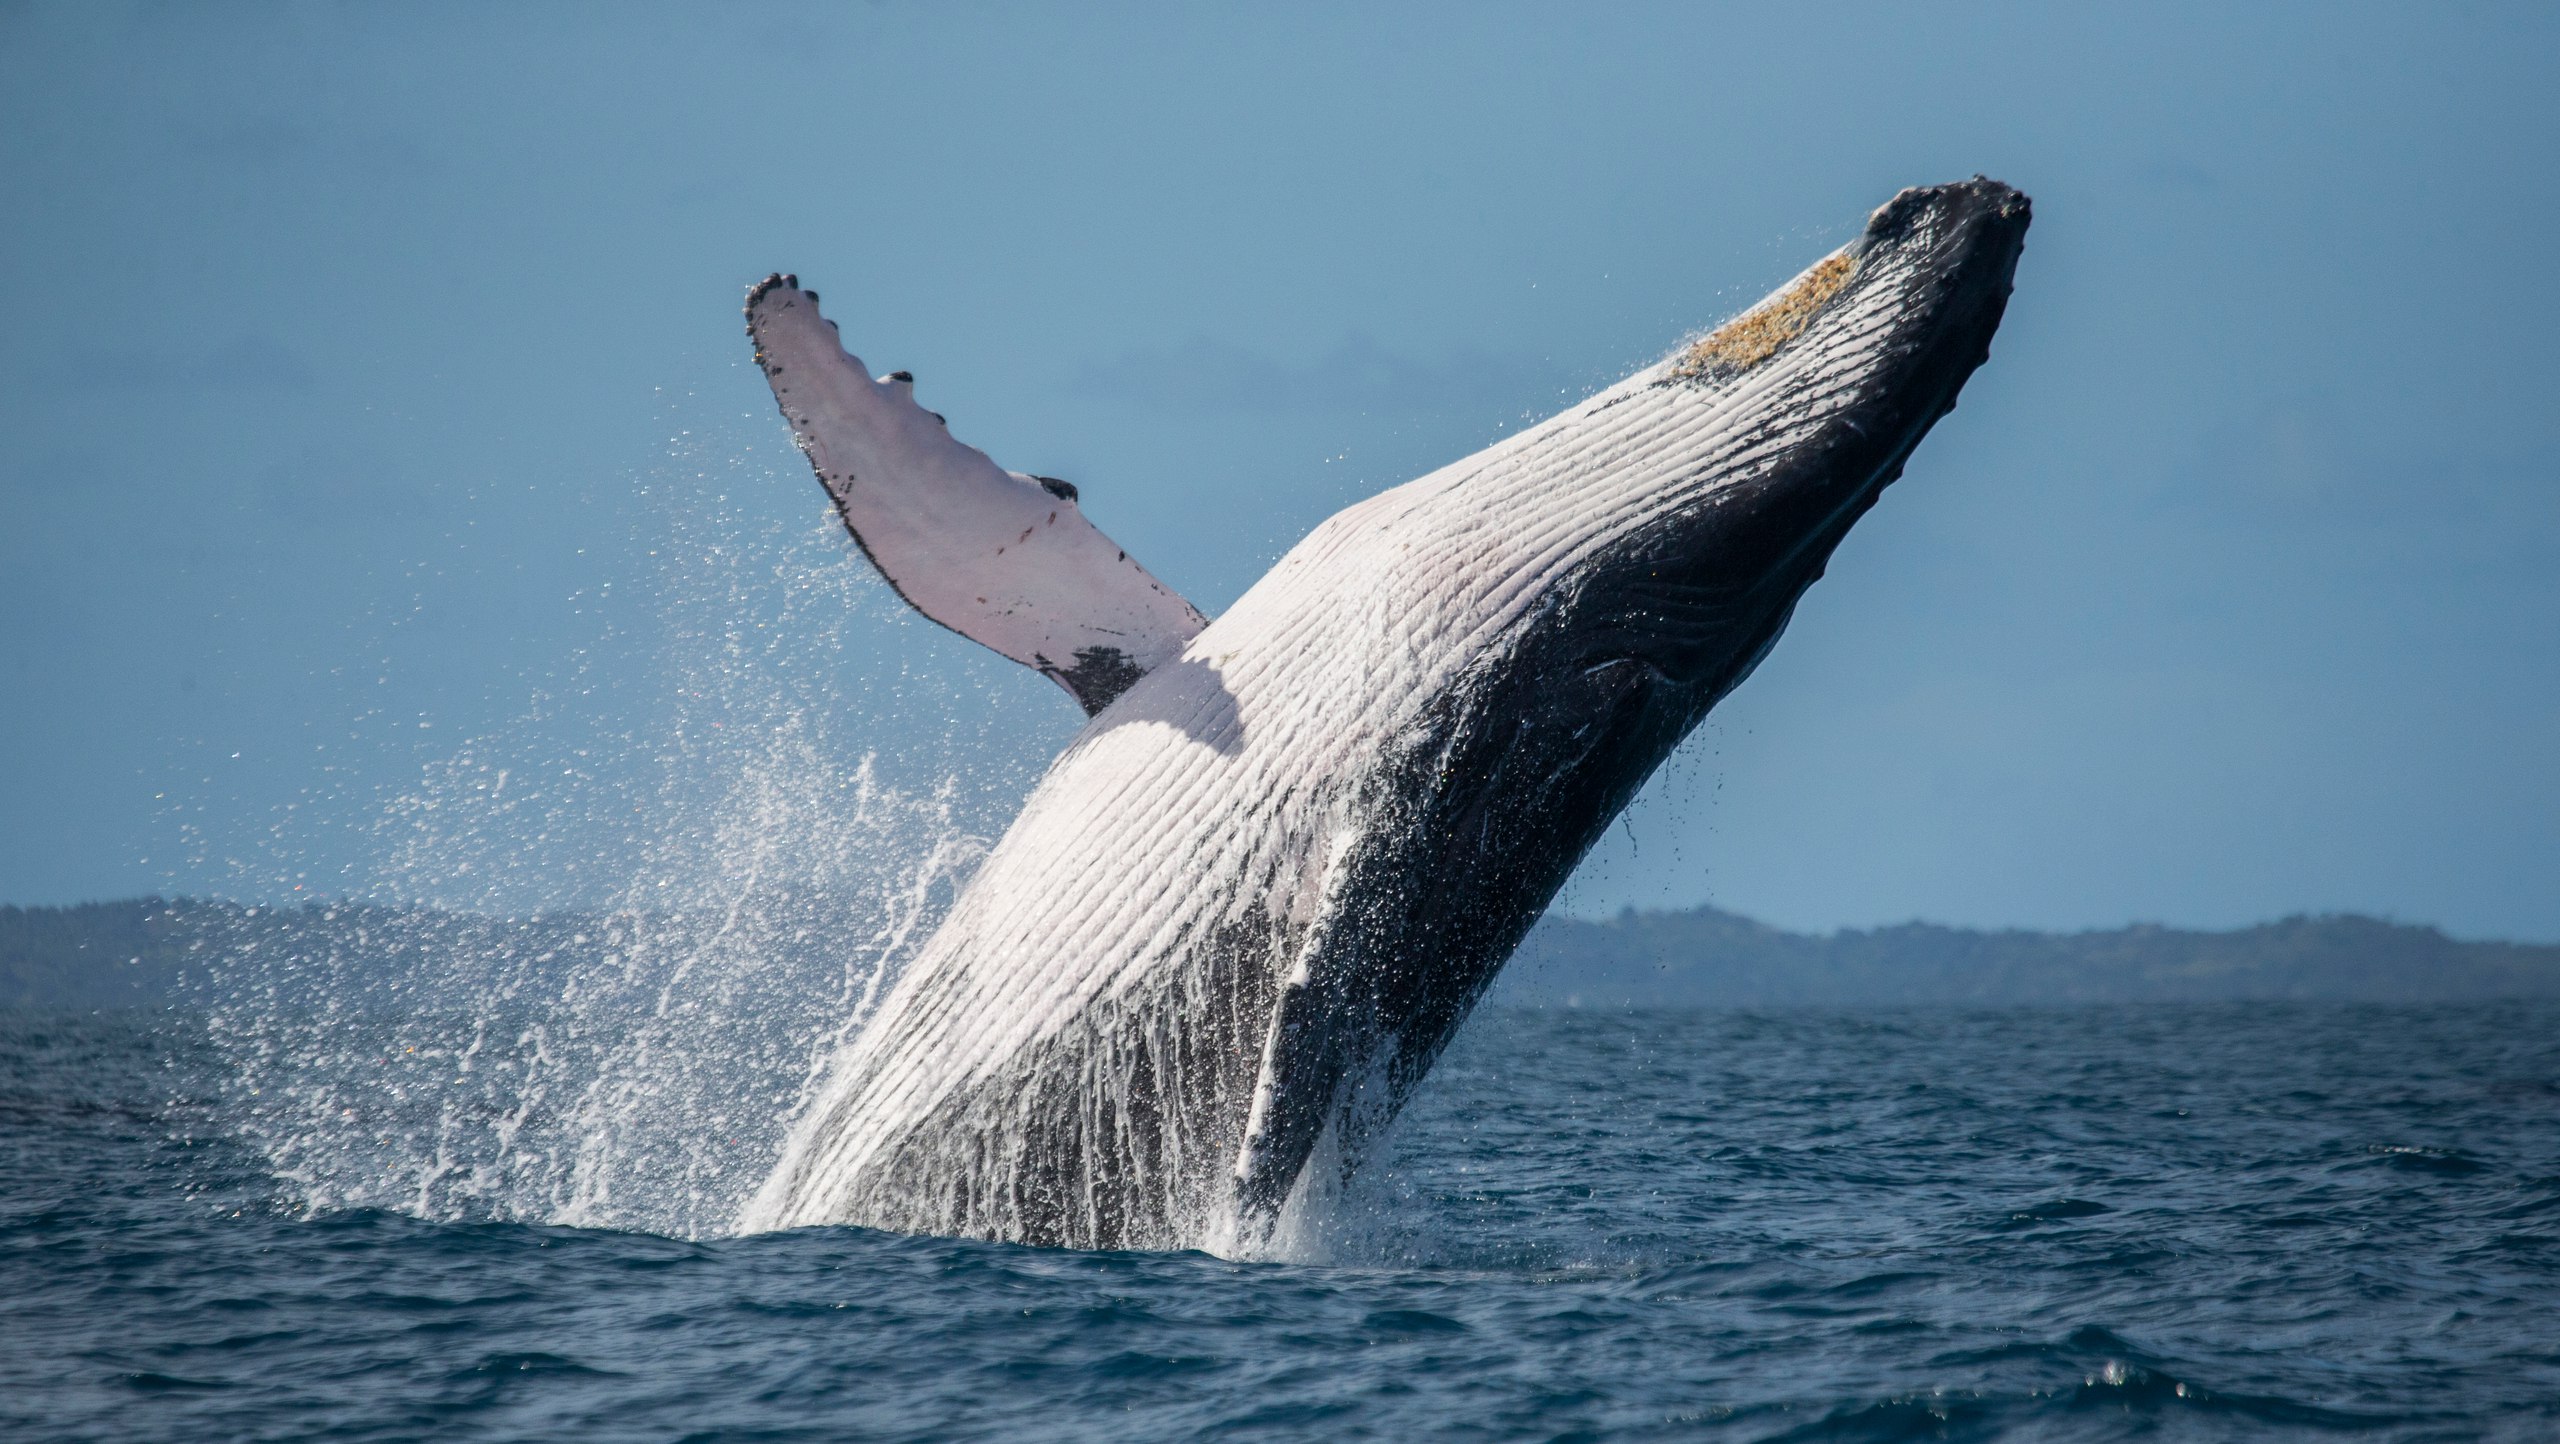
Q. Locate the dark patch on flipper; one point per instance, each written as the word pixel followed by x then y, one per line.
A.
pixel 1099 676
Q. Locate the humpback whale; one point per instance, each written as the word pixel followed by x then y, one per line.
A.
pixel 1252 901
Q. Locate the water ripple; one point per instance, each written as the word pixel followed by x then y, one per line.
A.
pixel 2262 1222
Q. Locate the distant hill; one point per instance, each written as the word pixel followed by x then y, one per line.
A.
pixel 96 955
pixel 150 952
pixel 1707 957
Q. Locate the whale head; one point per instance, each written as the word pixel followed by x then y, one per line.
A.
pixel 1567 606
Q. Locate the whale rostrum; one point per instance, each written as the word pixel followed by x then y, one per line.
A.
pixel 1251 902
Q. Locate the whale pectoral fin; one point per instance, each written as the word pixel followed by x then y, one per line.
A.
pixel 1004 559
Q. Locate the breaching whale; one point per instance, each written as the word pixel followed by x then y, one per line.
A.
pixel 1251 902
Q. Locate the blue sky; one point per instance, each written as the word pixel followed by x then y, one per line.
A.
pixel 372 395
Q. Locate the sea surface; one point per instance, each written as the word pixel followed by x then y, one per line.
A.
pixel 2187 1222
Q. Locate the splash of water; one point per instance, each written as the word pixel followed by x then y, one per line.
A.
pixel 593 993
pixel 631 1068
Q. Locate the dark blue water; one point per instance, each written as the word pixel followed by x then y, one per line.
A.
pixel 2204 1222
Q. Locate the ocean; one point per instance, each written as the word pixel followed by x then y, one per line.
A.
pixel 2195 1221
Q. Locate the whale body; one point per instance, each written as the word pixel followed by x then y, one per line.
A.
pixel 1254 898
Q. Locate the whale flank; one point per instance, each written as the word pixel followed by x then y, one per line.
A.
pixel 1253 900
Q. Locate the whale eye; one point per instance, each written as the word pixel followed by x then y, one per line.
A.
pixel 1062 490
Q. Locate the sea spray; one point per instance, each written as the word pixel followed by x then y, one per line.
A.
pixel 594 964
pixel 628 1069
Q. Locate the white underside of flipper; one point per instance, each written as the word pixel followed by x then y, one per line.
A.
pixel 1002 558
